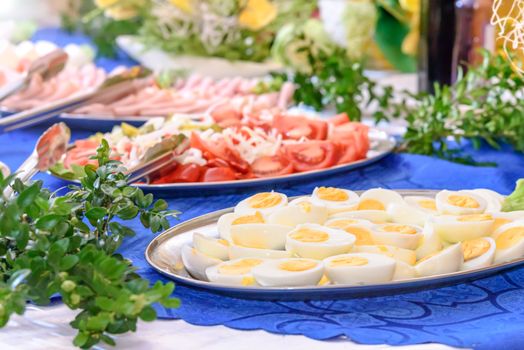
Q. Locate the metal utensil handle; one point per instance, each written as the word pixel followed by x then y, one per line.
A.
pixel 12 88
pixel 39 114
pixel 143 170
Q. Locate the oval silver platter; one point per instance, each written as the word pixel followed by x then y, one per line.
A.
pixel 381 144
pixel 163 254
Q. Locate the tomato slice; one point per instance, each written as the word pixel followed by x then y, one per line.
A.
pixel 218 174
pixel 182 173
pixel 268 166
pixel 219 149
pixel 348 152
pixel 296 127
pixel 312 155
pixel 339 119
pixel 225 112
pixel 355 133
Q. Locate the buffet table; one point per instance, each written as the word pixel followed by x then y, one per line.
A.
pixel 486 313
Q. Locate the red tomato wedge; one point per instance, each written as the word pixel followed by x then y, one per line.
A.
pixel 269 166
pixel 298 127
pixel 355 133
pixel 312 155
pixel 225 113
pixel 219 149
pixel 348 152
pixel 218 174
pixel 182 173
pixel 339 119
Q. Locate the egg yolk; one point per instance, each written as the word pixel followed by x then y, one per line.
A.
pixel 475 217
pixel 510 237
pixel 223 242
pixel 308 235
pixel 248 281
pixel 323 281
pixel 257 218
pixel 371 204
pixel 332 194
pixel 297 265
pixel 306 206
pixel 264 200
pixel 463 201
pixel 405 229
pixel 240 267
pixel 348 261
pixel 499 222
pixel 474 248
pixel 427 204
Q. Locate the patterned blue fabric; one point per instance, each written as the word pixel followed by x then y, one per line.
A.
pixel 484 314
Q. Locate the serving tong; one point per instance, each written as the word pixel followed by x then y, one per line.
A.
pixel 114 87
pixel 49 149
pixel 46 66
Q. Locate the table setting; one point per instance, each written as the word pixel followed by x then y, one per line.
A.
pixel 178 195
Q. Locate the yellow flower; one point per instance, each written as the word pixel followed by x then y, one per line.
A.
pixel 410 43
pixel 105 3
pixel 257 14
pixel 121 12
pixel 184 5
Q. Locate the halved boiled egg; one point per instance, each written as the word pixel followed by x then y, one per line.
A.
pixel 407 256
pixel 196 262
pixel 430 242
pixel 361 229
pixel 378 199
pixel 425 204
pixel 236 252
pixel 263 202
pixel 460 203
pixel 404 271
pixel 227 220
pixel 261 236
pixel 334 199
pixel 398 235
pixel 478 253
pixel 234 272
pixel 509 240
pixel 503 218
pixel 290 272
pixel 403 213
pixel 454 229
pixel 300 213
pixel 318 242
pixel 213 247
pixel 359 268
pixel 445 261
pixel 375 216
pixel 493 199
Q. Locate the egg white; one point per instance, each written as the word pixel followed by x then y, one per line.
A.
pixel 375 216
pixel 269 274
pixel 245 208
pixel 493 199
pixel 397 239
pixel 237 252
pixel 338 242
pixel 245 279
pixel 416 202
pixel 429 243
pixel 336 206
pixel 226 221
pixel 403 213
pixel 382 196
pixel 516 251
pixel 210 246
pixel 361 229
pixel 483 260
pixel 293 215
pixel 196 262
pixel 261 236
pixel 444 207
pixel 450 229
pixel 399 254
pixel 379 268
pixel 404 271
pixel 448 260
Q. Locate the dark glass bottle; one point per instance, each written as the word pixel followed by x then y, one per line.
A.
pixel 437 36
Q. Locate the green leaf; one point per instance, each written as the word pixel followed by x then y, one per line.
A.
pixel 28 196
pixel 67 262
pixel 148 314
pixel 48 222
pixel 96 213
pixel 81 339
pixel 515 201
pixel 171 303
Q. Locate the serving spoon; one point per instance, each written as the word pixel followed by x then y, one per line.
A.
pixel 46 66
pixel 113 88
pixel 49 149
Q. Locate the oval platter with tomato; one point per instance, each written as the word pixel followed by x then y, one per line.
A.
pixel 228 149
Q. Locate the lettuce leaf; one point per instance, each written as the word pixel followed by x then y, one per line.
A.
pixel 515 201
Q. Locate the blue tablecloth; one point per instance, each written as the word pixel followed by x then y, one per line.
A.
pixel 485 314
